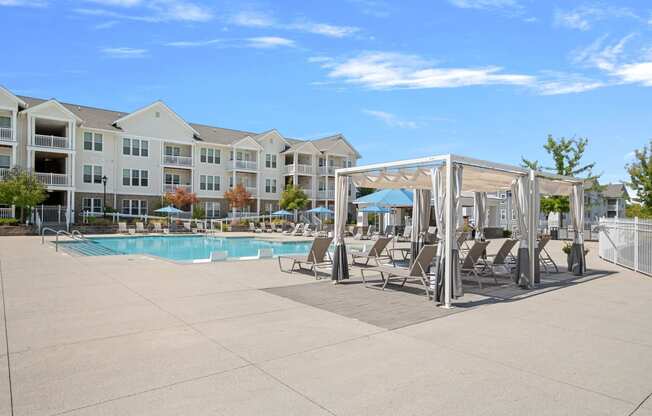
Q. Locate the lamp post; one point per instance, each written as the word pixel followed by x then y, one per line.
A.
pixel 104 179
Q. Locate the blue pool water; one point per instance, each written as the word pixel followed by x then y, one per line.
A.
pixel 186 248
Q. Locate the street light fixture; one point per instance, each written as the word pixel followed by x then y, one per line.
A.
pixel 104 179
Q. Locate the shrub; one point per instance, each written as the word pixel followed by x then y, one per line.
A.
pixel 507 233
pixel 8 221
pixel 198 213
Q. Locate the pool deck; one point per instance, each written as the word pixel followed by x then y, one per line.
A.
pixel 133 335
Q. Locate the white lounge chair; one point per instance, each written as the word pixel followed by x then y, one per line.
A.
pixel 140 227
pixel 296 229
pixel 122 228
pixel 201 227
pixel 157 227
pixel 187 226
pixel 307 231
pixel 299 229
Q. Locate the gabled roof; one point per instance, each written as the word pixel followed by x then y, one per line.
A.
pixel 326 143
pixel 9 94
pixel 218 135
pixel 614 190
pixel 162 105
pixel 247 141
pixel 55 103
pixel 94 118
pixel 266 134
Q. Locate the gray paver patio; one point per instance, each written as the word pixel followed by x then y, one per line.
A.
pixel 133 335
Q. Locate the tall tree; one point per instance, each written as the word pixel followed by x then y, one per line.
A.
pixel 22 189
pixel 181 198
pixel 640 172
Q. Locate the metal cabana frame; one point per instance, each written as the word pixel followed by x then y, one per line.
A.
pixel 483 176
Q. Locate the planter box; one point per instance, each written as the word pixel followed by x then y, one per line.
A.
pixel 15 230
pixel 238 228
pixel 95 229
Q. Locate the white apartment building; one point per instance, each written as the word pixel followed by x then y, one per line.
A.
pixel 146 153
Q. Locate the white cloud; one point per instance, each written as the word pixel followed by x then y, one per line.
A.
pixel 124 53
pixel 485 4
pixel 559 84
pixel 391 119
pixel 388 70
pixel 601 56
pixel 252 19
pixel 270 42
pixel 640 72
pixel 375 8
pixel 23 3
pixel 151 11
pixel 106 25
pixel 583 17
pixel 324 29
pixel 194 43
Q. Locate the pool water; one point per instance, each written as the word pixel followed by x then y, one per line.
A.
pixel 190 248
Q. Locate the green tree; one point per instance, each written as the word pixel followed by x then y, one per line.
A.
pixel 640 172
pixel 22 189
pixel 293 198
pixel 567 157
pixel 636 210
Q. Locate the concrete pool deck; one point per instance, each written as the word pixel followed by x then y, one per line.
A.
pixel 132 335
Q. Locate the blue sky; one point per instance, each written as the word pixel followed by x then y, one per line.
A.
pixel 483 78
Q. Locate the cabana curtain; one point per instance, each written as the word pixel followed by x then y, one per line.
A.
pixel 577 260
pixel 420 220
pixel 480 214
pixel 521 202
pixel 439 197
pixel 340 261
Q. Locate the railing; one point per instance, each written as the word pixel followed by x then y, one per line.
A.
pixel 55 179
pixel 173 187
pixel 329 194
pixel 177 160
pixel 4 172
pixel 75 235
pixel 327 170
pixel 7 134
pixel 243 164
pixel 252 190
pixel 58 142
pixel 627 242
pixel 7 213
pixel 300 169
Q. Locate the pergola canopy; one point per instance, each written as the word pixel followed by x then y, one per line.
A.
pixel 479 175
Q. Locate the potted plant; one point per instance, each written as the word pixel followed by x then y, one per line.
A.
pixel 566 248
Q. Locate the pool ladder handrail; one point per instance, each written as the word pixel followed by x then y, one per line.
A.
pixel 75 235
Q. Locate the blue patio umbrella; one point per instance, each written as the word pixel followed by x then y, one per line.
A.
pixel 387 198
pixel 282 213
pixel 321 211
pixel 375 209
pixel 169 210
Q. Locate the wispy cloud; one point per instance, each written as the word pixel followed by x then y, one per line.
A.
pixel 23 3
pixel 391 120
pixel 558 83
pixel 584 17
pixel 486 4
pixel 389 70
pixel 150 11
pixel 106 25
pixel 124 53
pixel 260 42
pixel 375 8
pixel 261 19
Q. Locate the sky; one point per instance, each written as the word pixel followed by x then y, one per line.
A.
pixel 481 78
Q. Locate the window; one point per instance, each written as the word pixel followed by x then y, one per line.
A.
pixel 172 151
pixel 134 206
pixel 503 214
pixel 92 204
pixel 5 122
pixel 93 141
pixel 135 147
pixel 270 161
pixel 92 174
pixel 212 209
pixel 5 161
pixel 172 179
pixel 270 186
pixel 209 155
pixel 135 177
pixel 209 183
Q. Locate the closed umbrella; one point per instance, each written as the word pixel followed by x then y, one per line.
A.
pixel 375 209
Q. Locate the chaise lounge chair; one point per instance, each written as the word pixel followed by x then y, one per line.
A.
pixel 140 227
pixel 544 257
pixel 406 236
pixel 122 228
pixel 317 256
pixel 297 229
pixel 473 263
pixel 374 253
pixel 417 271
pixel 502 257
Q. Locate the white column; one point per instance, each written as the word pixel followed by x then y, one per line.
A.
pixel 295 176
pixel 450 234
pixel 71 167
pixel 233 162
pixel 258 180
pixel 533 228
pixel 69 208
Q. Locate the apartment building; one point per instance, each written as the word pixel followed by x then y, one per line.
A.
pixel 75 151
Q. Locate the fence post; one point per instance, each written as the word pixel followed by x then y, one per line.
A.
pixel 59 214
pixel 635 244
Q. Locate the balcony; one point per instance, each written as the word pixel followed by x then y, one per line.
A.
pixel 172 187
pixel 4 172
pixel 183 161
pixel 243 165
pixel 329 194
pixel 7 135
pixel 299 169
pixel 327 170
pixel 55 142
pixel 53 179
pixel 252 190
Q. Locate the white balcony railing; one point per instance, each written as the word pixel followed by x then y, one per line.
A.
pixel 4 172
pixel 171 187
pixel 327 170
pixel 252 190
pixel 329 194
pixel 56 142
pixel 244 164
pixel 53 179
pixel 300 169
pixel 177 160
pixel 6 134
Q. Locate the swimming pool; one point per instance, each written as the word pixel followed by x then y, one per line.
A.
pixel 193 248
